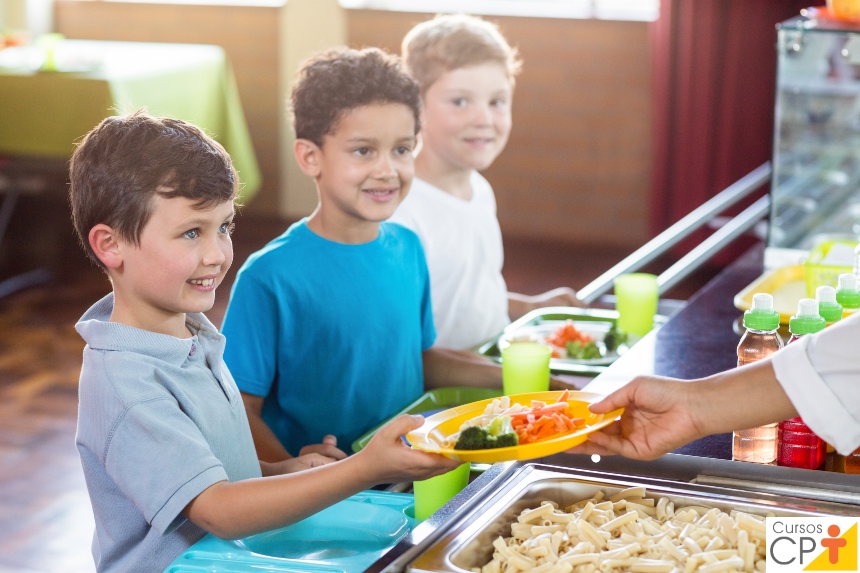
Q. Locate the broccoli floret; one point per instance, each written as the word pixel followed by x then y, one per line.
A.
pixel 582 352
pixel 472 438
pixel 477 438
pixel 614 338
pixel 506 440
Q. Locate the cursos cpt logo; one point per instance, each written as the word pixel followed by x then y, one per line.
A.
pixel 811 543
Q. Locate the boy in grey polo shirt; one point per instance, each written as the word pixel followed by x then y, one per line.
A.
pixel 162 432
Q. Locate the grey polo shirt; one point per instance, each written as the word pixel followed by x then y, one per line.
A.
pixel 159 420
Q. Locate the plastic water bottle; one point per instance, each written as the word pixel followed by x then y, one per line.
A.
pixel 847 294
pixel 798 446
pixel 758 445
pixel 829 309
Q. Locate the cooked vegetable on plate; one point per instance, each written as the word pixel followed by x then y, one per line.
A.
pixel 505 425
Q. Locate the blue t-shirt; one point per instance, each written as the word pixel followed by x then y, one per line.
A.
pixel 331 334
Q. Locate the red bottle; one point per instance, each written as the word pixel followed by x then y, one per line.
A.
pixel 797 445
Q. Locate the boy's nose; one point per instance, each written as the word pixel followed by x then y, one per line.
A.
pixel 215 254
pixel 384 168
pixel 484 115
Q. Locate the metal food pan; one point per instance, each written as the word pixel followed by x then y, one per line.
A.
pixel 469 543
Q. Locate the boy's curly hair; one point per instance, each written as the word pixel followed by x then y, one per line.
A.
pixel 452 41
pixel 125 160
pixel 341 79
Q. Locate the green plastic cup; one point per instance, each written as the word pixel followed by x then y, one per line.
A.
pixel 433 493
pixel 48 43
pixel 636 297
pixel 525 368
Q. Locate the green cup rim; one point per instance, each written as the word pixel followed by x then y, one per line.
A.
pixel 526 350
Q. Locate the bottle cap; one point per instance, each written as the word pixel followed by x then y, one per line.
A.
pixel 828 308
pixel 847 294
pixel 761 316
pixel 807 320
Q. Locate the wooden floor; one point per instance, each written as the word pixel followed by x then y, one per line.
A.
pixel 46 523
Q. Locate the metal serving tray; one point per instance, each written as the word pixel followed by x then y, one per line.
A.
pixel 556 315
pixel 469 543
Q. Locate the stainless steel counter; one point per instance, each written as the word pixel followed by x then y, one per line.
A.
pixel 698 341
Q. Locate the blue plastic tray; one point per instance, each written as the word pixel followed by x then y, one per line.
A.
pixel 344 538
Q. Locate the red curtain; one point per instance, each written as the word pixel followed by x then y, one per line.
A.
pixel 714 77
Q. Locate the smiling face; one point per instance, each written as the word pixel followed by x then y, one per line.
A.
pixel 363 170
pixel 467 117
pixel 182 256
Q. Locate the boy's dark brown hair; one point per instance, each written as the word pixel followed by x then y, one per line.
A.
pixel 122 163
pixel 342 79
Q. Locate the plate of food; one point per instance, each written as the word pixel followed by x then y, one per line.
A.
pixel 575 342
pixel 519 427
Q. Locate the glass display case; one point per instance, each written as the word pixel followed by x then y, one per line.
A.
pixel 815 189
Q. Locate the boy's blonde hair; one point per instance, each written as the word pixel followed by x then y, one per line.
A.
pixel 452 41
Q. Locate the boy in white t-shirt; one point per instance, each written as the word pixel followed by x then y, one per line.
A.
pixel 466 72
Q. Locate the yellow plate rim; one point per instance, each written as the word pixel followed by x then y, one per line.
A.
pixel 421 440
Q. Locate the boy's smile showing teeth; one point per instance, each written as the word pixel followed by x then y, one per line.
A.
pixel 382 193
pixel 206 283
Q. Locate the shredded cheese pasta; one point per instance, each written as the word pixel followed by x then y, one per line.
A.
pixel 629 532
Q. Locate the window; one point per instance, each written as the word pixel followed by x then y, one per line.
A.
pixel 642 10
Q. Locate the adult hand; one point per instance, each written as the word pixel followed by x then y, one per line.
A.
pixel 390 460
pixel 659 416
pixel 327 448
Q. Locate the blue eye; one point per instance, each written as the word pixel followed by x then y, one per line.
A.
pixel 498 102
pixel 191 234
pixel 227 228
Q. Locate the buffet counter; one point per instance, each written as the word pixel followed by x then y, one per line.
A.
pixel 698 341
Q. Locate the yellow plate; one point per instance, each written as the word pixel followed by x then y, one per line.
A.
pixel 437 427
pixel 786 284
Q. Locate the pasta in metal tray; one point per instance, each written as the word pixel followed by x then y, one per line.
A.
pixel 629 532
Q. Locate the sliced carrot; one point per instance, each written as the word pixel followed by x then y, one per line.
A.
pixel 545 432
pixel 564 396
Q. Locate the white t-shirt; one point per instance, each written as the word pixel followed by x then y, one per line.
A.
pixel 821 375
pixel 463 245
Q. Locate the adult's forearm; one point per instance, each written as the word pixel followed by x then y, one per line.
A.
pixel 742 398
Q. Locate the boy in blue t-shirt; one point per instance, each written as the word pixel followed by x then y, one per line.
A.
pixel 164 441
pixel 330 325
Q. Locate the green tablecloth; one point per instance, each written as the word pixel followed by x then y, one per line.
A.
pixel 45 113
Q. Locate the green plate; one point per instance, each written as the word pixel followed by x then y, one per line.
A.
pixel 434 401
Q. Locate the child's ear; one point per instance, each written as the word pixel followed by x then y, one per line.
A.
pixel 308 156
pixel 104 243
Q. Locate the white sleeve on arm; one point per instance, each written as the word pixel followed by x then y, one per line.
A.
pixel 821 376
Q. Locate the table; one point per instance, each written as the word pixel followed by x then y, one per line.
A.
pixel 44 113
